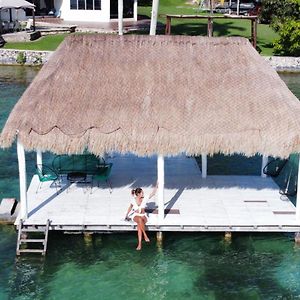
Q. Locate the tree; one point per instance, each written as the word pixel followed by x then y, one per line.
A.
pixel 284 17
pixel 289 40
pixel 278 10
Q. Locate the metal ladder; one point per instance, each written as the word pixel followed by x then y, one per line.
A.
pixel 24 239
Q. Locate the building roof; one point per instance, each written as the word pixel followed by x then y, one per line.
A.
pixel 156 94
pixel 4 4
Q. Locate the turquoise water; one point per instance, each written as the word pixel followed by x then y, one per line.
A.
pixel 191 266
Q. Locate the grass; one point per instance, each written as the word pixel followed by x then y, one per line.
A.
pixel 225 27
pixel 46 43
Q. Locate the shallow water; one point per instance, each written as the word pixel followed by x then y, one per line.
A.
pixel 191 266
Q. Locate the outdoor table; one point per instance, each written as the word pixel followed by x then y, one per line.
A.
pixel 78 177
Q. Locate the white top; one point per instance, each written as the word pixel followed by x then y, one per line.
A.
pixel 138 208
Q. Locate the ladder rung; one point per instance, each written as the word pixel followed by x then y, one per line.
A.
pixel 33 230
pixel 32 241
pixel 31 251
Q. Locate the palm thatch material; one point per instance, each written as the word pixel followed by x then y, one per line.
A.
pixel 156 94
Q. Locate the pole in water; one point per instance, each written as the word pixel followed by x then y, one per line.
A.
pixel 228 236
pixel 88 237
pixel 297 238
pixel 159 239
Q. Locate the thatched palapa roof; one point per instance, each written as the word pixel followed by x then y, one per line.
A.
pixel 156 94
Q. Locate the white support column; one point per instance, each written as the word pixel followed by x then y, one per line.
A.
pixel 135 10
pixel 263 164
pixel 120 16
pixel 22 178
pixel 298 193
pixel 204 165
pixel 238 8
pixel 39 157
pixel 161 186
pixel 154 15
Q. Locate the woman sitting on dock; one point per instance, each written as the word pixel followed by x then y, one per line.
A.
pixel 138 214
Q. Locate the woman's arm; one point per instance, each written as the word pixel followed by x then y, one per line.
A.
pixel 128 211
pixel 154 191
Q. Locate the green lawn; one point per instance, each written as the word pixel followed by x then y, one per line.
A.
pixel 50 43
pixel 223 27
pixel 187 27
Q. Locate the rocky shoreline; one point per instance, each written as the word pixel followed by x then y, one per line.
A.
pixel 34 58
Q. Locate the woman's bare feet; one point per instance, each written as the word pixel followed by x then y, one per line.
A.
pixel 139 247
pixel 147 240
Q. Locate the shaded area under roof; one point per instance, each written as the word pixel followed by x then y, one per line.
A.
pixel 156 94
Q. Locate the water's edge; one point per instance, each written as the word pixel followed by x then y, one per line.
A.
pixel 33 58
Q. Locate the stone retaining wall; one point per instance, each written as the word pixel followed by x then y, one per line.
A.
pixel 23 57
pixel 28 57
pixel 284 63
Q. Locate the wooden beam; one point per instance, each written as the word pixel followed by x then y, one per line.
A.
pixel 22 178
pixel 33 19
pixel 161 187
pixel 255 34
pixel 211 16
pixel 154 14
pixel 210 27
pixel 168 26
pixel 120 16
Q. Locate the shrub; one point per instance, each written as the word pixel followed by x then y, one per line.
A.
pixel 278 10
pixel 289 40
pixel 21 58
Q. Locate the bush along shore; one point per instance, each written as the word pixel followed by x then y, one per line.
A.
pixel 23 57
pixel 35 58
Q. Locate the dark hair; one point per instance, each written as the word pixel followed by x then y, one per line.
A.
pixel 136 191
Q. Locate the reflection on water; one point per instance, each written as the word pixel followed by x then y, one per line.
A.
pixel 191 266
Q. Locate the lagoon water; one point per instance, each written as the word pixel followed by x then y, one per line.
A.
pixel 190 266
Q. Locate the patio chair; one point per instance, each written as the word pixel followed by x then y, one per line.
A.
pixel 45 174
pixel 102 174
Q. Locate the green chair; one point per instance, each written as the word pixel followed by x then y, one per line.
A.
pixel 102 174
pixel 45 174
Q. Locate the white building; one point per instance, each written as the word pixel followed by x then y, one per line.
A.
pixel 76 10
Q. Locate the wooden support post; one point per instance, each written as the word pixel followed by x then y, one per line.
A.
pixel 161 185
pixel 263 164
pixel 22 178
pixel 154 14
pixel 210 27
pixel 252 32
pixel 159 237
pixel 228 236
pixel 33 19
pixel 204 165
pixel 88 238
pixel 298 194
pixel 168 26
pixel 120 16
pixel 297 237
pixel 255 34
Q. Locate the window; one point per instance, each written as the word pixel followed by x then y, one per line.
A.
pixel 73 4
pixel 85 4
